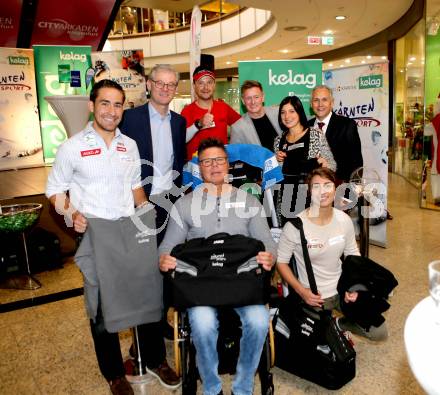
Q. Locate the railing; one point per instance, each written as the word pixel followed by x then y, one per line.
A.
pixel 146 21
pixel 215 32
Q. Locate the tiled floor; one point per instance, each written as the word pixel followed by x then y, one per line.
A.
pixel 48 349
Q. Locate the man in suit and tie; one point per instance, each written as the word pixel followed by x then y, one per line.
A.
pixel 160 137
pixel 260 124
pixel 341 133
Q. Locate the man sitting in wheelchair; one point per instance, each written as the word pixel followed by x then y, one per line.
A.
pixel 216 207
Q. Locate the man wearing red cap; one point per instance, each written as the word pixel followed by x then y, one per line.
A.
pixel 206 117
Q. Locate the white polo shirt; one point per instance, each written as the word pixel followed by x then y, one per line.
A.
pixel 100 180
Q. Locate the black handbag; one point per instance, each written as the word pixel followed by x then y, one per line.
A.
pixel 308 341
pixel 220 270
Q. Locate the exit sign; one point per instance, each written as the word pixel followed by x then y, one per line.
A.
pixel 313 40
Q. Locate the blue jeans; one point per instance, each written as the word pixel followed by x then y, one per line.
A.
pixel 204 329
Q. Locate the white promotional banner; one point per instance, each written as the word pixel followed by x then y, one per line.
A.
pixel 361 93
pixel 194 44
pixel 20 139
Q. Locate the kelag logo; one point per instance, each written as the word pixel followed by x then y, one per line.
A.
pixel 290 78
pixel 371 81
pixel 20 60
pixel 73 56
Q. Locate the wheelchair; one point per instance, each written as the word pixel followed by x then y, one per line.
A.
pixel 228 345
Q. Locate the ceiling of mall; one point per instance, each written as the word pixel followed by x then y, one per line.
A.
pixel 364 18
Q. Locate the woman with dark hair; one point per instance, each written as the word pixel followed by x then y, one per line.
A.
pixel 330 234
pixel 300 149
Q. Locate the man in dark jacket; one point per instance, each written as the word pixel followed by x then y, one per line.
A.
pixel 160 136
pixel 341 133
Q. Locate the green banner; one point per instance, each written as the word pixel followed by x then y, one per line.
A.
pixel 53 67
pixel 432 74
pixel 281 78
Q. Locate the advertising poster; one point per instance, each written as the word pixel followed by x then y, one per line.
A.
pixel 361 93
pixel 10 12
pixel 430 196
pixel 60 70
pixel 432 72
pixel 127 69
pixel 79 22
pixel 281 78
pixel 20 140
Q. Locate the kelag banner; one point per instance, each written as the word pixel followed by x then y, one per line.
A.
pixel 20 140
pixel 361 93
pixel 281 78
pixel 430 196
pixel 10 11
pixel 60 70
pixel 127 69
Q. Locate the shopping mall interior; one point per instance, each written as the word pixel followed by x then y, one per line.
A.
pixel 45 339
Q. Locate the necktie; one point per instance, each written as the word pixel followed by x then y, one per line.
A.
pixel 321 125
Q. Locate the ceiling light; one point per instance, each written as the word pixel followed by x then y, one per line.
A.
pixel 363 61
pixel 328 32
pixel 340 65
pixel 347 60
pixel 295 28
pixel 228 62
pixel 330 65
pixel 340 17
pixel 383 57
pixel 412 58
pixel 409 64
pixel 401 70
pixel 368 56
pixel 284 50
pixel 257 57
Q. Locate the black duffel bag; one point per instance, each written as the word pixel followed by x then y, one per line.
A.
pixel 220 270
pixel 308 342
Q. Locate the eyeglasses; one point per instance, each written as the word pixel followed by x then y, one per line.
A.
pixel 221 160
pixel 160 84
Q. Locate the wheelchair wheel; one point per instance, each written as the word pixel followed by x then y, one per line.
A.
pixel 184 353
pixel 271 345
pixel 266 377
pixel 176 344
pixel 189 370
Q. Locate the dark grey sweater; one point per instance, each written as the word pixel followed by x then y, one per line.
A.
pixel 119 265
